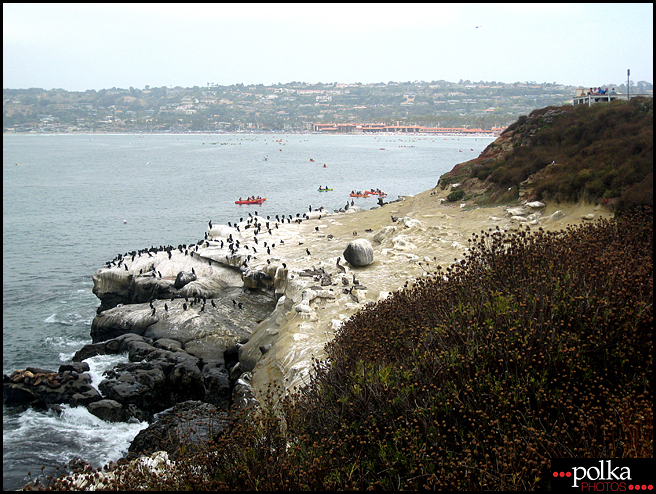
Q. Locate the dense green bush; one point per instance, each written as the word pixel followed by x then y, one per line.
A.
pixel 456 195
pixel 598 153
pixel 535 346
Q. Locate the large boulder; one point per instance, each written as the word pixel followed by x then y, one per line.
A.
pixel 359 253
pixel 179 429
pixel 142 384
pixel 107 410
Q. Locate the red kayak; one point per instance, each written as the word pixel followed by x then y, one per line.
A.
pixel 359 195
pixel 373 193
pixel 251 201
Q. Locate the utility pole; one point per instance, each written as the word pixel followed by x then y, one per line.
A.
pixel 628 87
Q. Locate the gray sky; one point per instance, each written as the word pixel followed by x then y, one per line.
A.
pixel 99 46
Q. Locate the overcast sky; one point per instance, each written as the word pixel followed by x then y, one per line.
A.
pixel 99 46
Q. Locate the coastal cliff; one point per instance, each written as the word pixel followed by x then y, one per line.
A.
pixel 249 310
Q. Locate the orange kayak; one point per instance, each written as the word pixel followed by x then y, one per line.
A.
pixel 252 201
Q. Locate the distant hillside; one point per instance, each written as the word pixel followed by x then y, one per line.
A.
pixel 602 153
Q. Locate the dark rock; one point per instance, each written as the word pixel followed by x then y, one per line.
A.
pixel 88 351
pixel 265 348
pixel 142 384
pixel 186 380
pixel 183 278
pixel 108 410
pixel 132 412
pixel 216 380
pixel 78 367
pixel 180 429
pixel 168 344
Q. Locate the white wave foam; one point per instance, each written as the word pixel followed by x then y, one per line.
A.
pixel 101 363
pixel 57 438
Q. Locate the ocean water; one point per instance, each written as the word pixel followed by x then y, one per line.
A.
pixel 72 202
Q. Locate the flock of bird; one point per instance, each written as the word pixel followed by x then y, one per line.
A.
pixel 258 226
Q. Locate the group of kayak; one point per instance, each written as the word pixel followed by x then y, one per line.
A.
pixel 367 193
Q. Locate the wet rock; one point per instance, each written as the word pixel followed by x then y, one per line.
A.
pixel 142 384
pixel 182 426
pixel 107 410
pixel 78 367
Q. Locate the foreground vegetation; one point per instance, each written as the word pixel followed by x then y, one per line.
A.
pixel 602 153
pixel 537 345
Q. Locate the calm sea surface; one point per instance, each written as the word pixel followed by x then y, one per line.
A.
pixel 72 202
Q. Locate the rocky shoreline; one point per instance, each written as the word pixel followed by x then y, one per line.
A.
pixel 214 323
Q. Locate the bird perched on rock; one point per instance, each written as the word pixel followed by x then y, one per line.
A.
pixel 308 252
pixel 166 307
pixel 340 267
pixel 353 296
pixel 345 280
pixel 184 306
pixel 213 304
pixel 210 224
